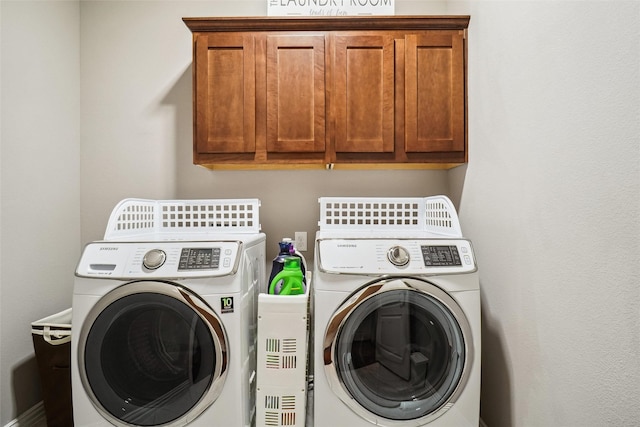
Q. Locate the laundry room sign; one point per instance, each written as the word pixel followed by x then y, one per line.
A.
pixel 330 7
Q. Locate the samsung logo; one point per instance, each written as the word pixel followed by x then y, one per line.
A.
pixel 347 245
pixel 110 248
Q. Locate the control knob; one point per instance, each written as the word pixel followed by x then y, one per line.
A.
pixel 398 256
pixel 154 259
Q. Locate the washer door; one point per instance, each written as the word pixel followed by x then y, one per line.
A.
pixel 398 350
pixel 152 353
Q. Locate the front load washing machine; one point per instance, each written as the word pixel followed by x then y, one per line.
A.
pixel 396 315
pixel 164 316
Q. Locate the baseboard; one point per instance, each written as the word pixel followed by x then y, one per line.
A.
pixel 32 417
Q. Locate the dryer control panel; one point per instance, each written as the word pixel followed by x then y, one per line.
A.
pixel 144 260
pixel 396 256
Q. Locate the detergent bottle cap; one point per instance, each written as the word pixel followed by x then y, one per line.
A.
pixel 285 246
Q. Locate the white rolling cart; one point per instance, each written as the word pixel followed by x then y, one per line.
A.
pixel 282 359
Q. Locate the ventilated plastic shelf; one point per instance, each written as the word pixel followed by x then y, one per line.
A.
pixel 435 214
pixel 133 217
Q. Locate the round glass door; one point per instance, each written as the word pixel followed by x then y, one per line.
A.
pixel 151 353
pixel 398 350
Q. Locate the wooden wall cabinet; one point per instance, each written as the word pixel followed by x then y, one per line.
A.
pixel 329 92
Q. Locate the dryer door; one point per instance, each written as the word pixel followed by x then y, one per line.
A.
pixel 152 353
pixel 398 349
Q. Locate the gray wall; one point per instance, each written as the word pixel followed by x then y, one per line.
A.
pixel 550 197
pixel 551 200
pixel 40 182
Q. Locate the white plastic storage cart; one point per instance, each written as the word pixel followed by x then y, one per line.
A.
pixel 283 339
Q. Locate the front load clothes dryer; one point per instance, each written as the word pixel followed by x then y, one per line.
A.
pixel 164 316
pixel 396 315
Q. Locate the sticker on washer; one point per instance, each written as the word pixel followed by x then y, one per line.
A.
pixel 227 304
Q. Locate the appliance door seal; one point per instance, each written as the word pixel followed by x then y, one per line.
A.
pixel 152 353
pixel 398 351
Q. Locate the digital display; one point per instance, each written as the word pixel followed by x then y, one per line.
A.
pixel 199 259
pixel 440 256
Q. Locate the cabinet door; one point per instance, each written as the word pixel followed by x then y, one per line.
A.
pixel 295 93
pixel 435 94
pixel 364 94
pixel 224 92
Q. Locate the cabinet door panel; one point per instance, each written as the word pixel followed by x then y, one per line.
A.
pixel 225 94
pixel 435 97
pixel 364 104
pixel 295 93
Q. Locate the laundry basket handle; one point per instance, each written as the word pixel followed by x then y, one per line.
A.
pixel 55 337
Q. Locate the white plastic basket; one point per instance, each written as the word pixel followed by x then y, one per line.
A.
pixel 434 214
pixel 133 217
pixel 283 333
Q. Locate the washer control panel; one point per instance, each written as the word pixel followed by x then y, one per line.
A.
pixel 200 259
pixel 442 256
pixel 396 256
pixel 159 259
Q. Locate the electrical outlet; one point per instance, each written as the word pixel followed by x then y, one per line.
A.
pixel 301 241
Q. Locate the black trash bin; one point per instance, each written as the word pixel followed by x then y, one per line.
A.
pixel 52 345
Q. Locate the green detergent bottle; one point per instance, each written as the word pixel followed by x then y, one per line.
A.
pixel 290 280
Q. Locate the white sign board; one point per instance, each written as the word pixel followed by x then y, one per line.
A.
pixel 330 7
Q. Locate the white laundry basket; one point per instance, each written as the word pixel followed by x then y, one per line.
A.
pixel 52 344
pixel 282 357
pixel 433 214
